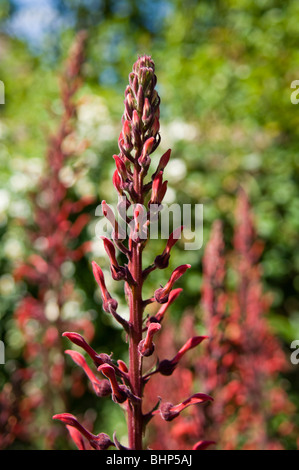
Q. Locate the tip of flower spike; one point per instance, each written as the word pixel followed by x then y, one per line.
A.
pixel 143 61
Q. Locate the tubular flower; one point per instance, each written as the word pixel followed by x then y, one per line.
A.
pixel 108 302
pixel 161 312
pixel 167 367
pixel 168 411
pixel 162 260
pixel 119 394
pixel 99 442
pixel 80 341
pixel 146 346
pixel 162 294
pixel 101 387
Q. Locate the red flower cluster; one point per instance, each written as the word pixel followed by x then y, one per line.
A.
pixel 138 139
pixel 241 362
pixel 58 222
pixel 184 433
pixel 243 358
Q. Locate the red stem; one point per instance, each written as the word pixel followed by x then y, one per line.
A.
pixel 136 310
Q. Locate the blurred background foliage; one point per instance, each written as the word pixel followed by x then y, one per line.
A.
pixel 224 74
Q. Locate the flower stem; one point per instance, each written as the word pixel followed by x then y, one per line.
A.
pixel 135 423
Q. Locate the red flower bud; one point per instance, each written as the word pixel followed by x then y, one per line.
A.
pixel 190 344
pixel 118 233
pixel 148 145
pixel 144 159
pixel 193 400
pixel 172 297
pixel 156 126
pixel 126 131
pixel 118 393
pixel 76 437
pixel 110 250
pixel 117 182
pixel 118 272
pixel 122 366
pixel 146 109
pixel 139 232
pixel 140 98
pixel 163 161
pixel 121 167
pixel 136 120
pixel 146 346
pixel 156 187
pixel 108 302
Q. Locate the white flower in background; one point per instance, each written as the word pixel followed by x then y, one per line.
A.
pixel 67 269
pixel 66 176
pixel 70 309
pixel 176 170
pixel 178 130
pixel 52 310
pixel 41 244
pixel 7 284
pixel 170 196
pixel 4 200
pixel 20 182
pixel 13 249
pixel 97 247
pixel 19 209
pixel 94 121
pixel 84 187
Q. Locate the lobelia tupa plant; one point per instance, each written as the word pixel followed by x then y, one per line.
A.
pixel 58 223
pixel 138 139
pixel 243 359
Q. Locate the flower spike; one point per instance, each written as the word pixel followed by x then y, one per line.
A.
pixel 139 137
